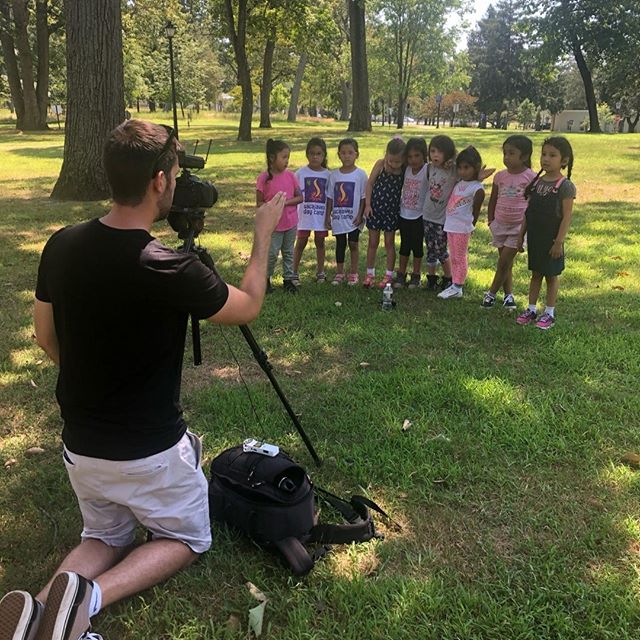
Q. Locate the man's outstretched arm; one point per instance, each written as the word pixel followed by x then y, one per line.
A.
pixel 244 303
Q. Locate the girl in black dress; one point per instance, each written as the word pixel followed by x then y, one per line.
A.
pixel 382 208
pixel 546 224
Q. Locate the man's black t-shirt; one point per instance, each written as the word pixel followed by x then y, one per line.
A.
pixel 120 303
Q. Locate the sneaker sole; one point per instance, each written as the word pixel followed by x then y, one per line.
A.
pixel 17 613
pixel 545 328
pixel 61 609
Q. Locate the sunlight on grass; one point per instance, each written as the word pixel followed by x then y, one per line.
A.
pixel 518 520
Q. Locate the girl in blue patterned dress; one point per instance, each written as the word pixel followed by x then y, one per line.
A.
pixel 382 208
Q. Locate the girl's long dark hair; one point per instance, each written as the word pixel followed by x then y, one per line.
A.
pixel 274 147
pixel 318 142
pixel 419 145
pixel 564 147
pixel 523 145
pixel 471 156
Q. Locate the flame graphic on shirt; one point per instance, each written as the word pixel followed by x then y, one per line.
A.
pixel 318 193
pixel 343 196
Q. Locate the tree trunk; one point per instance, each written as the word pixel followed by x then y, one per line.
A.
pixel 361 110
pixel 344 100
pixel 589 93
pixel 152 105
pixel 95 90
pixel 29 89
pixel 400 113
pixel 295 90
pixel 267 81
pixel 239 39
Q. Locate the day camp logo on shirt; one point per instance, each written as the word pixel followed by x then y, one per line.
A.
pixel 314 189
pixel 343 194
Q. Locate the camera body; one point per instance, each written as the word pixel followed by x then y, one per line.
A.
pixel 191 197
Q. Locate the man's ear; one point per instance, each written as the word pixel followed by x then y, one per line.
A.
pixel 159 182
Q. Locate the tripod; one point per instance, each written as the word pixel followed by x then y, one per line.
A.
pixel 260 356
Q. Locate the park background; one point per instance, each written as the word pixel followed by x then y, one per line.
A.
pixel 519 516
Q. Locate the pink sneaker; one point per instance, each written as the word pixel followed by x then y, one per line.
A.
pixel 385 281
pixel 352 279
pixel 526 317
pixel 546 321
pixel 368 281
pixel 338 279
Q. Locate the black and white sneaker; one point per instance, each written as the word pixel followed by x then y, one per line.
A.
pixel 488 300
pixel 20 615
pixel 509 302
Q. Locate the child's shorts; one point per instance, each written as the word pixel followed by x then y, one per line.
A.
pixel 305 233
pixel 505 234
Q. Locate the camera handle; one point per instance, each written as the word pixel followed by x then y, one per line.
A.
pixel 258 353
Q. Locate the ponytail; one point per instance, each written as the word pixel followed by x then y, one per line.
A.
pixel 531 186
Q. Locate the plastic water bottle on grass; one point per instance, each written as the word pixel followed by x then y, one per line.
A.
pixel 387 297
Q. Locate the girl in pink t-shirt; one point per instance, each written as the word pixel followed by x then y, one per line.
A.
pixel 276 178
pixel 507 205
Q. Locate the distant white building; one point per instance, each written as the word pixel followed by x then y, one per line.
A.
pixel 572 120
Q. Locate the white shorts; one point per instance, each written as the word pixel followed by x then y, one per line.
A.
pixel 167 493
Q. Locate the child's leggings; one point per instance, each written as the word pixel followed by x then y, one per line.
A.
pixel 341 243
pixel 458 252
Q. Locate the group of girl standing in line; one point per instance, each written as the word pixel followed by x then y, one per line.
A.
pixel 433 196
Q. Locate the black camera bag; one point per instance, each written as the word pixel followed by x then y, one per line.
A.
pixel 272 500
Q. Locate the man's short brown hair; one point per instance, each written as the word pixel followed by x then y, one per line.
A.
pixel 133 155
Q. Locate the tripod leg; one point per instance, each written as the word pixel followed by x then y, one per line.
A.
pixel 265 365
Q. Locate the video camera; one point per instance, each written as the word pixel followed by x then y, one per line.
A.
pixel 191 197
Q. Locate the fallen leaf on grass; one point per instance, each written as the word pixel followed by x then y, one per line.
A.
pixel 256 618
pixel 616 257
pixel 34 451
pixel 33 384
pixel 10 462
pixel 364 365
pixel 631 459
pixel 406 425
pixel 622 274
pixel 255 592
pixel 256 615
pixel 617 287
pixel 338 304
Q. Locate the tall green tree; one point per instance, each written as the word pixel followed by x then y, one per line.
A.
pixel 414 32
pixel 497 53
pixel 589 30
pixel 25 28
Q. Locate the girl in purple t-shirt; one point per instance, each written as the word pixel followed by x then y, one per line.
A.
pixel 276 178
pixel 507 205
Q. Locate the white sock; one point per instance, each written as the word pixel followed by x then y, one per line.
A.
pixel 533 308
pixel 389 273
pixel 551 311
pixel 96 599
pixel 371 272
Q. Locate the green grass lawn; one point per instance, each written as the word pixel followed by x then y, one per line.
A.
pixel 519 520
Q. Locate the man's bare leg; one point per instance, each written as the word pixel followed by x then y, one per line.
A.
pixel 90 559
pixel 120 575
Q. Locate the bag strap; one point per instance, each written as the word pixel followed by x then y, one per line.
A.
pixel 360 525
